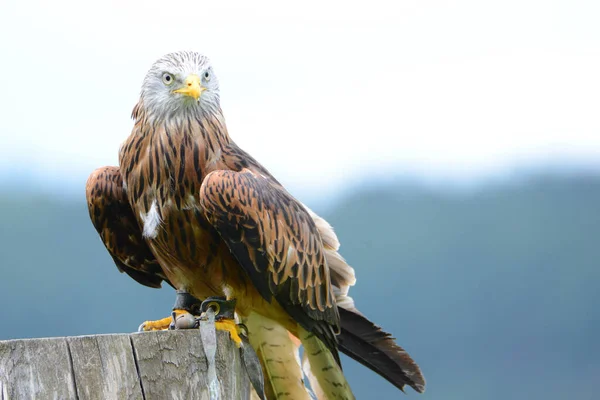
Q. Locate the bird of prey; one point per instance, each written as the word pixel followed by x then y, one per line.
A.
pixel 187 206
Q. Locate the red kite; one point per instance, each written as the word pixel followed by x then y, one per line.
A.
pixel 188 206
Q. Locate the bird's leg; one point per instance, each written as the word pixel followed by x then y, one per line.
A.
pixel 224 317
pixel 188 310
pixel 184 315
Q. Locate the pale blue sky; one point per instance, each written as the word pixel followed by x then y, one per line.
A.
pixel 450 91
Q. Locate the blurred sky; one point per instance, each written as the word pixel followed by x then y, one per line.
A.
pixel 322 93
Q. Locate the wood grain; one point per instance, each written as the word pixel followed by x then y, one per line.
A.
pixel 151 365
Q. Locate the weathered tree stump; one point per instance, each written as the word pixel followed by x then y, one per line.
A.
pixel 151 365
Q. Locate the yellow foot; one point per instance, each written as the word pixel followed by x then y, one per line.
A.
pixel 230 326
pixel 162 324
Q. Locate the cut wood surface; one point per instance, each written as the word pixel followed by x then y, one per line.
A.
pixel 151 365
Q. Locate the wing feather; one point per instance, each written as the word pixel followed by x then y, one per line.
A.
pixel 276 241
pixel 115 222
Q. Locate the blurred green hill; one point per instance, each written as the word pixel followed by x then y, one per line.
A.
pixel 495 293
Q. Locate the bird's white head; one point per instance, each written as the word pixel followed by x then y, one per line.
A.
pixel 179 84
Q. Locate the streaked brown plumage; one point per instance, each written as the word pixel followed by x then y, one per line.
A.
pixel 203 215
pixel 114 220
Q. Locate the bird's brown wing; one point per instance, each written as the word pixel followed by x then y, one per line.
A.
pixel 115 222
pixel 276 242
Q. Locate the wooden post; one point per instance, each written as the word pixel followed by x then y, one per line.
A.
pixel 151 365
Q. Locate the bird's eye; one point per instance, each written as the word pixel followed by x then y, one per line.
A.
pixel 206 75
pixel 167 78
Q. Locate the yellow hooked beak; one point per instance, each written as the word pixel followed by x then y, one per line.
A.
pixel 191 87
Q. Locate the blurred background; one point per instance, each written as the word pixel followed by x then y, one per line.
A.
pixel 454 146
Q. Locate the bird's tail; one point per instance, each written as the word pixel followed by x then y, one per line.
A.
pixel 360 338
pixel 376 349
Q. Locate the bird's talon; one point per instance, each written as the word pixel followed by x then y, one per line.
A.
pixel 179 319
pixel 173 321
pixel 230 326
pixel 242 330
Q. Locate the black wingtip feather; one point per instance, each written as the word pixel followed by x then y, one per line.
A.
pixel 376 349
